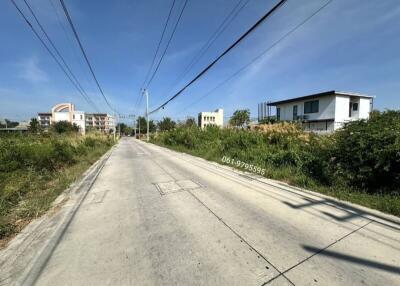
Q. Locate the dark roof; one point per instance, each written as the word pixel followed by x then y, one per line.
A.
pixel 44 113
pixel 326 93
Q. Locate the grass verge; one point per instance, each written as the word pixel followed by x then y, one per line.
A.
pixel 29 186
pixel 293 157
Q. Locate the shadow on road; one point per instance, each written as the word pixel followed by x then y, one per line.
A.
pixel 352 212
pixel 353 259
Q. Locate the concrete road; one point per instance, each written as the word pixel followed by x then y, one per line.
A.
pixel 157 217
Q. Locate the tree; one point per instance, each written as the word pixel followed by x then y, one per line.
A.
pixel 190 122
pixel 142 122
pixel 240 118
pixel 8 124
pixel 124 129
pixel 64 127
pixel 166 124
pixel 121 127
pixel 34 126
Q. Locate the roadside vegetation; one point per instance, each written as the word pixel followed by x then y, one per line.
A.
pixel 36 167
pixel 360 163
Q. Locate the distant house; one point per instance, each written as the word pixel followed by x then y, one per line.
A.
pixel 215 118
pixel 326 111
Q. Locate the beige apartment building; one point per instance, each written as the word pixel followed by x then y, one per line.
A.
pixel 67 112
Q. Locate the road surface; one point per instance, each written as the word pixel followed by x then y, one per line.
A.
pixel 157 217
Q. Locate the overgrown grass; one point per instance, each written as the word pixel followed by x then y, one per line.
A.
pixel 35 169
pixel 359 164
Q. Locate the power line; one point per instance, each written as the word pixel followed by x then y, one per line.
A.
pixel 48 50
pixel 59 54
pixel 70 41
pixel 259 56
pixel 84 54
pixel 159 43
pixel 154 57
pixel 269 13
pixel 168 43
pixel 221 28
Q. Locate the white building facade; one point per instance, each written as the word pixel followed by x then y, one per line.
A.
pixel 66 112
pixel 215 118
pixel 324 112
pixel 100 121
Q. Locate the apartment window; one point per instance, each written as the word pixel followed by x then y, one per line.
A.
pixel 278 113
pixel 81 117
pixel 311 106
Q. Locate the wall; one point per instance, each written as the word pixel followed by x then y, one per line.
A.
pixel 364 108
pixel 321 126
pixel 218 115
pixel 61 116
pixel 79 120
pixel 326 109
pixel 341 110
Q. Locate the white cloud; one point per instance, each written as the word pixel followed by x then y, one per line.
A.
pixel 30 70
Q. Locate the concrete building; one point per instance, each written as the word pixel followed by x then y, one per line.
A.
pixel 326 111
pixel 215 118
pixel 67 112
pixel 100 121
pixel 44 119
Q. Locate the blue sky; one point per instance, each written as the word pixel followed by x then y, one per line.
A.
pixel 351 45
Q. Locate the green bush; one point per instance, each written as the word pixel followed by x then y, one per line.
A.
pixel 367 152
pixel 64 127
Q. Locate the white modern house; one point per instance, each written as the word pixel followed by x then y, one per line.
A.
pixel 215 118
pixel 326 111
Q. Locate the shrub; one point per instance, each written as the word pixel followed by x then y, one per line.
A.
pixel 367 152
pixel 34 169
pixel 64 127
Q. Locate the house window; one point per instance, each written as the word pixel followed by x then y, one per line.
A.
pixel 311 106
pixel 295 112
pixel 278 113
pixel 73 116
pixel 81 117
pixel 355 106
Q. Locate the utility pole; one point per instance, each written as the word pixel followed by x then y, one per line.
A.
pixel 139 126
pixel 134 124
pixel 147 112
pixel 119 128
pixel 114 125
